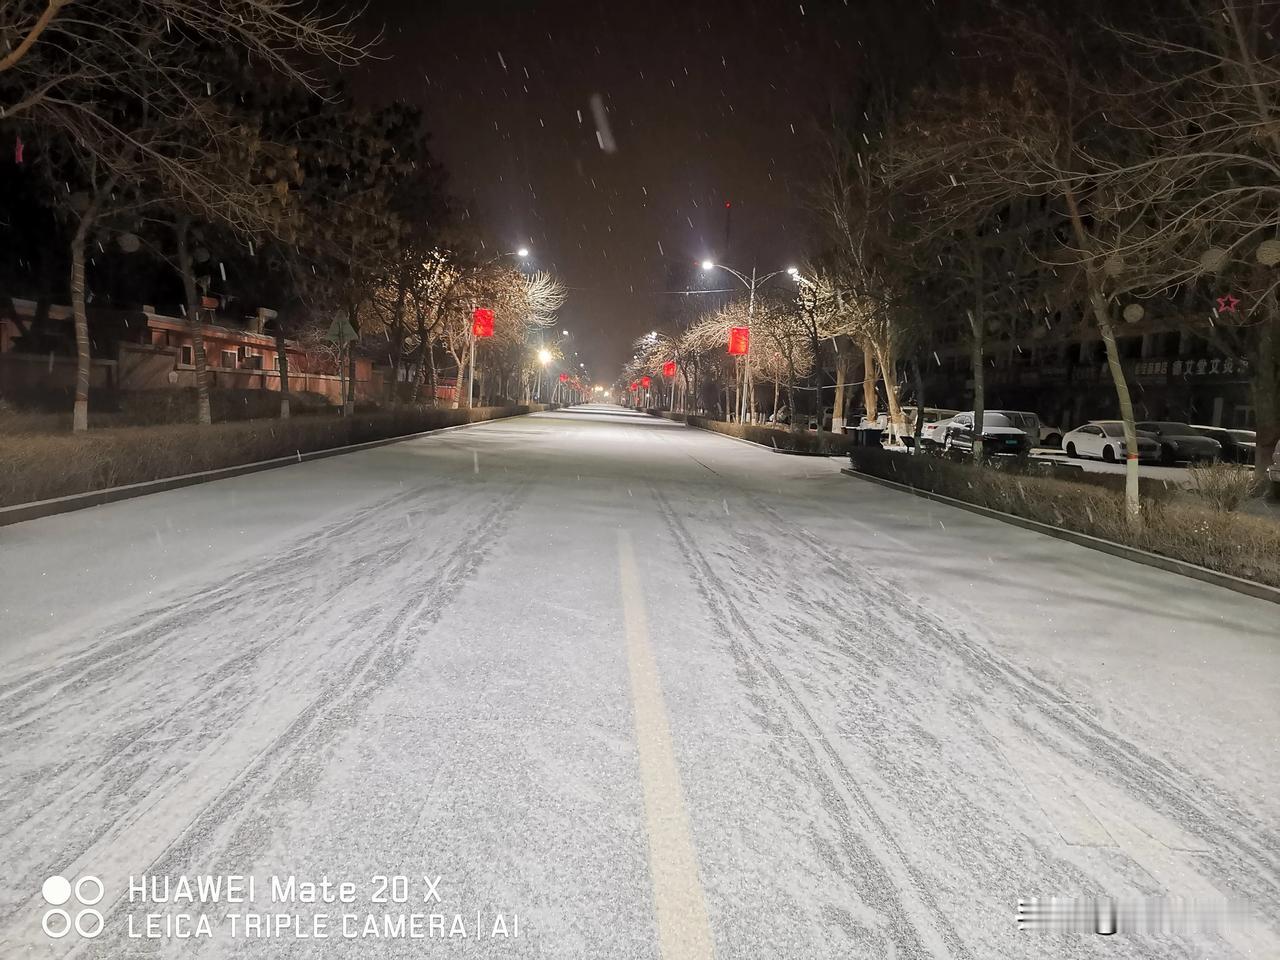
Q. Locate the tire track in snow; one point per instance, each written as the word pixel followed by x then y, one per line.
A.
pixel 882 874
pixel 381 653
pixel 1160 783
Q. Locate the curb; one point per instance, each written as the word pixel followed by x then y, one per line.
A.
pixel 1196 572
pixel 36 509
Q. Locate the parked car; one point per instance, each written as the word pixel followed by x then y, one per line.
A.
pixel 933 435
pixel 1000 435
pixel 1238 446
pixel 1050 436
pixel 932 415
pixel 1104 440
pixel 1180 442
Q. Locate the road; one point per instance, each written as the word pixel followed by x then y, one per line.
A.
pixel 654 692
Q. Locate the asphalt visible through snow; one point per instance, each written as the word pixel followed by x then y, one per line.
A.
pixel 594 685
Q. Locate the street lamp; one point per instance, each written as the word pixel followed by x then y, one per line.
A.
pixel 522 252
pixel 751 284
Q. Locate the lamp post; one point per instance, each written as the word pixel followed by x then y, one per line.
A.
pixel 522 253
pixel 544 357
pixel 751 284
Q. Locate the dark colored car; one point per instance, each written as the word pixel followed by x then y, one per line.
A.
pixel 1238 446
pixel 1181 442
pixel 1000 435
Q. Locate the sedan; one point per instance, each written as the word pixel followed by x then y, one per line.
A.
pixel 999 435
pixel 1181 441
pixel 1238 446
pixel 1104 440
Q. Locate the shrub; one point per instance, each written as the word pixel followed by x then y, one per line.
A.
pixel 41 466
pixel 1177 527
pixel 798 441
pixel 1224 486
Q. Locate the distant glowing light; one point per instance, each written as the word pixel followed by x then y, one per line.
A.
pixel 708 265
pixel 544 356
pixel 522 252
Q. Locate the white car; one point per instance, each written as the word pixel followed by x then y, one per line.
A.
pixel 1104 440
pixel 931 416
pixel 933 434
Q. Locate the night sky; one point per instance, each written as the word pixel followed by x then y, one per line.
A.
pixel 707 104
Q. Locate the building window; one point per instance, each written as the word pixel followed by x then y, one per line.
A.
pixel 229 359
pixel 187 357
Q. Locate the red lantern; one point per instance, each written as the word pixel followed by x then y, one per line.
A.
pixel 739 340
pixel 644 382
pixel 635 385
pixel 669 369
pixel 482 323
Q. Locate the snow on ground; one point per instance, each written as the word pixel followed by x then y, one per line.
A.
pixel 890 719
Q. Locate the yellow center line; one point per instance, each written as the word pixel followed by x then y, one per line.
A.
pixel 684 932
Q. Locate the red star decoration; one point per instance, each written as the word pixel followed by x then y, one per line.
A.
pixel 1228 304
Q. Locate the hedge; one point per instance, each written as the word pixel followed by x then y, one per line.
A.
pixel 1173 526
pixel 40 466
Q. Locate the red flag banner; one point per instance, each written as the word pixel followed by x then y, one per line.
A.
pixel 482 322
pixel 739 340
pixel 669 368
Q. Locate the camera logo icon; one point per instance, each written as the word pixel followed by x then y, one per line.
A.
pixel 57 921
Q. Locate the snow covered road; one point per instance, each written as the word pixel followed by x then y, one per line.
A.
pixel 645 691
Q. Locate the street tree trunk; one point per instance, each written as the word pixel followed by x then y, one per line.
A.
pixel 182 230
pixel 869 402
pixel 80 412
pixel 888 372
pixel 349 407
pixel 918 428
pixel 1102 316
pixel 837 402
pixel 978 330
pixel 283 356
pixel 1265 385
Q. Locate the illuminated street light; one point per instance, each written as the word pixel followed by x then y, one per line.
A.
pixel 751 283
pixel 544 356
pixel 522 252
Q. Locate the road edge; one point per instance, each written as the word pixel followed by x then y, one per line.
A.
pixel 1250 588
pixel 38 509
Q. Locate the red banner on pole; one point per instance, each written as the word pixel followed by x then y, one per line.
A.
pixel 669 368
pixel 482 322
pixel 739 340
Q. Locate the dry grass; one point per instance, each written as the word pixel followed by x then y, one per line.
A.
pixel 1223 486
pixel 1178 527
pixel 41 466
